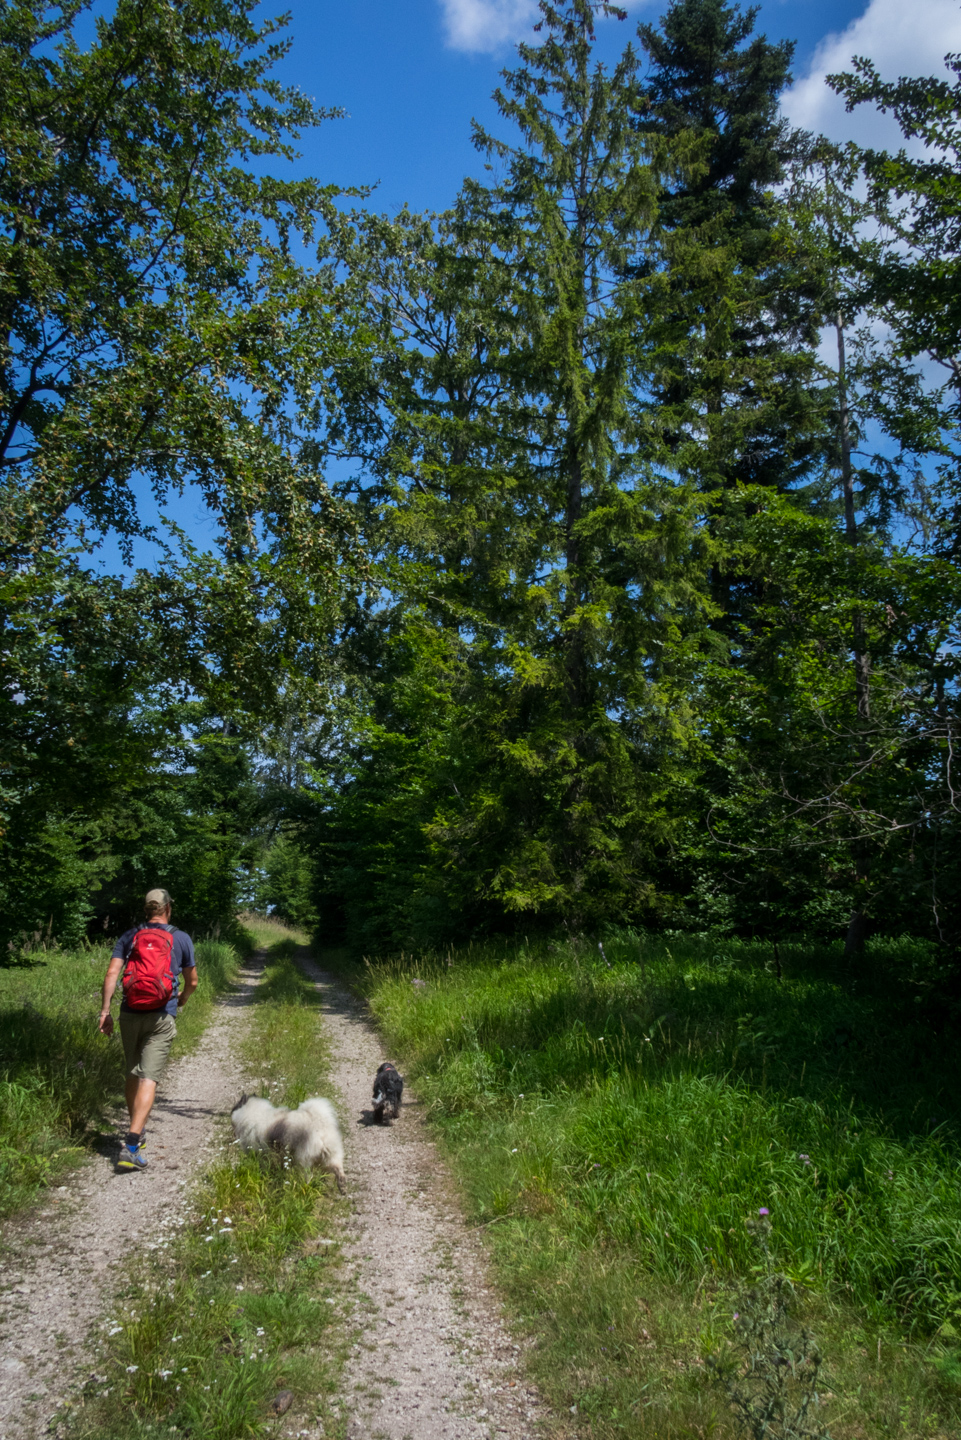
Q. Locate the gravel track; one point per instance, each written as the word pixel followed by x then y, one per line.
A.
pixel 433 1359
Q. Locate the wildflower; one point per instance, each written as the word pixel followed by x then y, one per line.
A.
pixel 132 1368
pixel 737 1314
pixel 514 1151
pixel 764 1210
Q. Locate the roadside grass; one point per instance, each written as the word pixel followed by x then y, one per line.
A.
pixel 236 1301
pixel 58 1074
pixel 613 1129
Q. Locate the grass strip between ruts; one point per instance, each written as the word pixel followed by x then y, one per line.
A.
pixel 613 1127
pixel 238 1299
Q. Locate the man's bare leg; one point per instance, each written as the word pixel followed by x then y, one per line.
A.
pixel 140 1098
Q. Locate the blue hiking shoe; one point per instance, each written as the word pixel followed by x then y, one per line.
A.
pixel 132 1158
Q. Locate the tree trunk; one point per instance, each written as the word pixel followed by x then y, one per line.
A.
pixel 862 664
pixel 857 927
pixel 572 556
pixel 857 933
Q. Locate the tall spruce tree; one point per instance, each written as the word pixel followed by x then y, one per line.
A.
pixel 734 391
pixel 711 74
pixel 544 564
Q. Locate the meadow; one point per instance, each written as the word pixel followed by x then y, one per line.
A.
pixel 617 1119
pixel 59 1077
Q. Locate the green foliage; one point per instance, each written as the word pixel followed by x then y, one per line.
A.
pixel 732 383
pixel 146 269
pixel 773 1374
pixel 709 72
pixel 655 641
pixel 661 624
pixel 797 785
pixel 174 805
pixel 285 883
pixel 155 330
pixel 543 575
pixel 915 278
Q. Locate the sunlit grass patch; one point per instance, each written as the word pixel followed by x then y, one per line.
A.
pixel 613 1127
pixel 238 1302
pixel 287 1045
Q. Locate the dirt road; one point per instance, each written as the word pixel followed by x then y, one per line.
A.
pixel 431 1359
pixel 434 1360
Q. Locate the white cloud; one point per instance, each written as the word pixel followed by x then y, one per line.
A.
pixel 902 37
pixel 487 24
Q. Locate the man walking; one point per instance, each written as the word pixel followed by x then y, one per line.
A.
pixel 152 957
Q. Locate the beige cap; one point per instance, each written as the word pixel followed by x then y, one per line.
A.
pixel 159 897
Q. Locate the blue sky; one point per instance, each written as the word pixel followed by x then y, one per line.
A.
pixel 412 74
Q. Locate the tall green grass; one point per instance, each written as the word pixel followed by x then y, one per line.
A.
pixel 58 1074
pixel 615 1125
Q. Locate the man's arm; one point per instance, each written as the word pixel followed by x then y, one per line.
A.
pixel 190 984
pixel 109 986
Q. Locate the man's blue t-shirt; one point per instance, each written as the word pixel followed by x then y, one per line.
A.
pixel 181 958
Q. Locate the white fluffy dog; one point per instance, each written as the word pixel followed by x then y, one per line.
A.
pixel 251 1118
pixel 311 1136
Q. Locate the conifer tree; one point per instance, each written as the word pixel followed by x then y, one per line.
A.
pixel 711 74
pixel 734 391
pixel 544 563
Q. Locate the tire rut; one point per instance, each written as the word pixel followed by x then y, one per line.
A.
pixel 433 1358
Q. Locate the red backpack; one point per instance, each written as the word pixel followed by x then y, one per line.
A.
pixel 148 979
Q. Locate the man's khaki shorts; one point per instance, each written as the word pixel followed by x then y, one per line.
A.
pixel 147 1036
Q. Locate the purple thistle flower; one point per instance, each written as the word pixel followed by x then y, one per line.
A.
pixel 764 1210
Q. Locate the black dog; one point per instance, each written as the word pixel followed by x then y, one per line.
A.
pixel 388 1089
